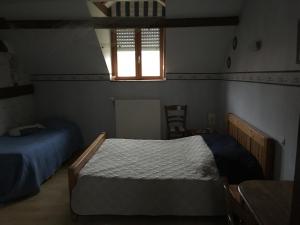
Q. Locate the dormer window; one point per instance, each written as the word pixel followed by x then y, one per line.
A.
pixel 132 53
pixel 137 54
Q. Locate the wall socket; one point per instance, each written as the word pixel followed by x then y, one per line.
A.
pixel 282 140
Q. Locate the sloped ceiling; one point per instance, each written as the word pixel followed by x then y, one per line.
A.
pixel 109 3
pixel 78 51
pixel 43 9
pixel 40 9
pixel 53 51
pixel 203 8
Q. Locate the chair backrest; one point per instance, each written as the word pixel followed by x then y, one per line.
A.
pixel 176 116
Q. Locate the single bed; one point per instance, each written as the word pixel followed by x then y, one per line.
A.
pixel 27 161
pixel 173 177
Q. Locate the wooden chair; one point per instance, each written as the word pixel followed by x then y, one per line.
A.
pixel 176 121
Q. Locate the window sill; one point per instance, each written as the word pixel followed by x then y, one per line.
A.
pixel 136 80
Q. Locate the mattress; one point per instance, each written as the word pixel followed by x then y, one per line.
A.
pixel 150 177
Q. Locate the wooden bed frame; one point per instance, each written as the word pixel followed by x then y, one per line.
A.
pixel 259 144
pixel 256 142
pixel 74 169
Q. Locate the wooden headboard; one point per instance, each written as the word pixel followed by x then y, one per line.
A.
pixel 259 144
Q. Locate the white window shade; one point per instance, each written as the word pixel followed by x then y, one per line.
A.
pixel 125 39
pixel 150 39
pixel 138 53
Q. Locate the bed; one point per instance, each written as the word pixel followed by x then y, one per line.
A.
pixel 117 177
pixel 27 161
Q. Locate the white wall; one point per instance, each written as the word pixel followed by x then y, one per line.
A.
pixel 89 103
pixel 19 110
pixel 5 79
pixel 272 108
pixel 65 51
pixel 197 50
pixel 57 51
pixel 103 35
pixel 104 39
pixel 275 24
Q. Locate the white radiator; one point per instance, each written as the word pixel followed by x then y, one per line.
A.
pixel 138 119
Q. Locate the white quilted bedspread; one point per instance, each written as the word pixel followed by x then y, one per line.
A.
pixel 184 158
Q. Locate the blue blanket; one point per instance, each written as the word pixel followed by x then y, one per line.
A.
pixel 27 161
pixel 233 161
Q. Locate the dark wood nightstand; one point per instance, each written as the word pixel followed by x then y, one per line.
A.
pixel 269 201
pixel 237 212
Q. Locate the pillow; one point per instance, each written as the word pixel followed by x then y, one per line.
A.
pixel 25 130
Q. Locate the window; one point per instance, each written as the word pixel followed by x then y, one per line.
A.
pixel 137 54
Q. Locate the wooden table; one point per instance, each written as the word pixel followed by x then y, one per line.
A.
pixel 269 201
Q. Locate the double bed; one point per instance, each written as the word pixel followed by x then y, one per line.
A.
pixel 164 177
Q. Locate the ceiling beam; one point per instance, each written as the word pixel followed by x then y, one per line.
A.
pixel 164 22
pixel 121 22
pixel 111 2
pixel 43 24
pixel 10 92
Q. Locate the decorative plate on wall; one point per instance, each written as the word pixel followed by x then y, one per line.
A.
pixel 234 43
pixel 298 44
pixel 228 62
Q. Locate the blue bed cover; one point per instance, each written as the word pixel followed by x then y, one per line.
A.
pixel 233 161
pixel 27 161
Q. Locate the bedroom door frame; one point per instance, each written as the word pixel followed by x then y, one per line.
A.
pixel 295 216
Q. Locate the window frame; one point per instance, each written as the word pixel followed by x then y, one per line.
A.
pixel 138 54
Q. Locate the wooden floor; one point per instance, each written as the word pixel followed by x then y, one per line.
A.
pixel 51 207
